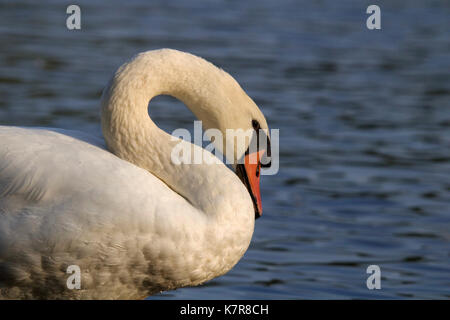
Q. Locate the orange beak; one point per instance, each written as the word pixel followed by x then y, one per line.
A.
pixel 250 174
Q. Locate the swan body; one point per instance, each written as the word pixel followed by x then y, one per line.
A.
pixel 133 222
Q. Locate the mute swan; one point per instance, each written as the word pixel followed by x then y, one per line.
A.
pixel 131 220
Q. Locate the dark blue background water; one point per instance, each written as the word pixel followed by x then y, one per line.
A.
pixel 364 119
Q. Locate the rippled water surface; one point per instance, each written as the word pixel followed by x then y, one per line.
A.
pixel 364 119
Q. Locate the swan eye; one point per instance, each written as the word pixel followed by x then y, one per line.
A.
pixel 255 124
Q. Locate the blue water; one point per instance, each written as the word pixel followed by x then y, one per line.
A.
pixel 364 119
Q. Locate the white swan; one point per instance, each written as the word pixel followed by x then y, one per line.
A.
pixel 134 222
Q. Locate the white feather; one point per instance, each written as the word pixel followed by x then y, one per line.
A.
pixel 132 221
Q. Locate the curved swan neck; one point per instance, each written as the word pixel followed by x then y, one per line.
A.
pixel 190 79
pixel 131 135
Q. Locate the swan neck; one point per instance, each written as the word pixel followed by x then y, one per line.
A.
pixel 132 135
pixel 188 78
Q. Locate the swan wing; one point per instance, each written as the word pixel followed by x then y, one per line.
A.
pixel 65 200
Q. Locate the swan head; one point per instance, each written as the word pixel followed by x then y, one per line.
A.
pixel 245 133
pixel 257 154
